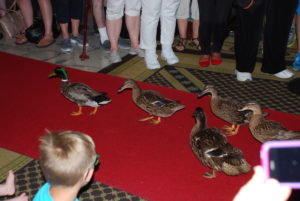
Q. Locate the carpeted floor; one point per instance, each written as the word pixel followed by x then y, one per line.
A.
pixel 153 162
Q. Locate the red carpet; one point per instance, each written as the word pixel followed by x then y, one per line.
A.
pixel 151 161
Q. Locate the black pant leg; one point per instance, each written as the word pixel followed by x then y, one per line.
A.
pixel 206 9
pixel 62 9
pixel 222 10
pixel 279 17
pixel 247 35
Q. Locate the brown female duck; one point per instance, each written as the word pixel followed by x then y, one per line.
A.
pixel 226 108
pixel 152 102
pixel 79 93
pixel 211 147
pixel 266 130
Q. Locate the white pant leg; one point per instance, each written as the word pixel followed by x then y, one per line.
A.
pixel 133 7
pixel 183 11
pixel 168 21
pixel 149 21
pixel 115 9
pixel 195 10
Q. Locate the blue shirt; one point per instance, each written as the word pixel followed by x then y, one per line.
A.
pixel 44 195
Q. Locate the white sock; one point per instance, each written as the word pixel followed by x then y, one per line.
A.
pixel 103 34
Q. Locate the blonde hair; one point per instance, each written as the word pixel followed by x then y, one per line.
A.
pixel 65 156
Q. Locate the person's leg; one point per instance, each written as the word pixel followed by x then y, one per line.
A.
pixel 149 21
pixel 168 24
pixel 132 18
pixel 2 8
pixel 279 16
pixel 207 11
pixel 46 10
pixel 26 10
pixel 247 35
pixel 195 24
pixel 182 15
pixel 63 17
pixel 222 10
pixel 99 15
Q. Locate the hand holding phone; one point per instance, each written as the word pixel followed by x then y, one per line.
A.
pixel 281 161
pixel 259 188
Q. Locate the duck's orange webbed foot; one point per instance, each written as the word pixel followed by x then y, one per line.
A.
pixel 210 175
pixel 79 112
pixel 233 130
pixel 94 111
pixel 152 120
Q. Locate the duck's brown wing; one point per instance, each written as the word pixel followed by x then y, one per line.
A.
pixel 79 92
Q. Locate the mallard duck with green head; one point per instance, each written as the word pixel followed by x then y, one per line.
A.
pixel 226 108
pixel 152 102
pixel 266 130
pixel 211 147
pixel 79 93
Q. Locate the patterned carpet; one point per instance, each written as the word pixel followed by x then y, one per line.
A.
pixel 29 179
pixel 266 89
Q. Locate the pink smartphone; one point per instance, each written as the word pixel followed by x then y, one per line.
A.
pixel 281 160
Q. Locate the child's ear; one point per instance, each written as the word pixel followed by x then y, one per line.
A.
pixel 89 175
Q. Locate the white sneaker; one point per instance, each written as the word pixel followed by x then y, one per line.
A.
pixel 285 74
pixel 243 76
pixel 114 57
pixel 151 60
pixel 137 51
pixel 168 55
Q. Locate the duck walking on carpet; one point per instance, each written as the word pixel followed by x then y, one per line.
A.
pixel 211 147
pixel 79 93
pixel 226 108
pixel 151 101
pixel 266 130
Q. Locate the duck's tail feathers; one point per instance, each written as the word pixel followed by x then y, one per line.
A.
pixel 288 135
pixel 102 99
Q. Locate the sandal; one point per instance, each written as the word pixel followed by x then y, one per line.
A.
pixel 195 43
pixel 44 42
pixel 21 39
pixel 181 44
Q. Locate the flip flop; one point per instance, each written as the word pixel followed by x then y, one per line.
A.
pixel 45 43
pixel 21 40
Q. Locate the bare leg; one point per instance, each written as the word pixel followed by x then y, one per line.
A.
pixel 46 10
pixel 2 7
pixel 182 27
pixel 114 30
pixel 133 27
pixel 98 9
pixel 196 24
pixel 64 30
pixel 75 27
pixel 26 9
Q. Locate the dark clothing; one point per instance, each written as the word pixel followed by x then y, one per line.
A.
pixel 213 17
pixel 68 9
pixel 278 18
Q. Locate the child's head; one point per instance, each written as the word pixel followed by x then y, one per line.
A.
pixel 66 156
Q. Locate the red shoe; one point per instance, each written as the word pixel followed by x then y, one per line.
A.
pixel 216 58
pixel 204 60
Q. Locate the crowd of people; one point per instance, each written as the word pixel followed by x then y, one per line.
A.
pixel 256 20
